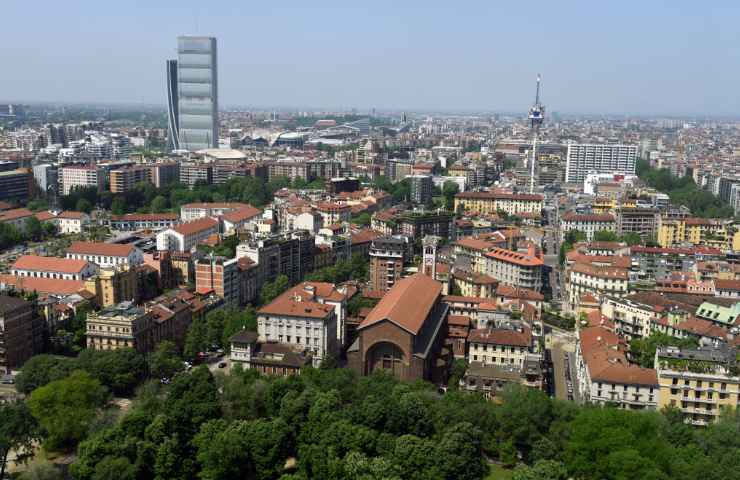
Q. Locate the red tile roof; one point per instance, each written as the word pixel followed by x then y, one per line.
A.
pixel 49 264
pixel 43 285
pixel 366 235
pixel 510 256
pixel 600 272
pixel 145 217
pixel 196 226
pixel 15 214
pixel 100 248
pixel 523 293
pixel 289 307
pixel 498 196
pixel 733 285
pixel 217 205
pixel 241 214
pixel 603 353
pixel 577 217
pixel 502 336
pixel 407 304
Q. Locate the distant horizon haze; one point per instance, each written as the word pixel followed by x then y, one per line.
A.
pixel 629 58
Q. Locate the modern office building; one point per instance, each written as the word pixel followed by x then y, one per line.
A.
pixel 197 91
pixel 583 159
pixel 173 129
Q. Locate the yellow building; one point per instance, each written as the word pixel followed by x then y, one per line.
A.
pixel 671 232
pixel 603 205
pixel 700 382
pixel 491 202
pixel 120 326
pixel 697 231
pixel 736 241
pixel 113 285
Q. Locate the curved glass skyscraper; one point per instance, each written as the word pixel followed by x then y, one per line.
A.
pixel 173 130
pixel 197 91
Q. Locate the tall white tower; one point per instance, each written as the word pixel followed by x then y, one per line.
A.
pixel 536 117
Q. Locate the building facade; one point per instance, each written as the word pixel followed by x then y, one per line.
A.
pixel 583 159
pixel 197 92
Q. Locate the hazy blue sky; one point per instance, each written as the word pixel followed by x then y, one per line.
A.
pixel 667 57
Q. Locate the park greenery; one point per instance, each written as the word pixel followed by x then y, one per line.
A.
pixel 575 236
pixel 683 191
pixel 34 231
pixel 331 424
pixel 400 191
pixel 571 238
pixel 146 198
pixel 214 331
pixel 642 350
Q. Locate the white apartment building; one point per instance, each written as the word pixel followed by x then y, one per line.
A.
pixel 194 211
pixel 500 346
pixel 588 224
pixel 106 254
pixel 52 267
pixel 514 268
pixel 332 213
pixel 605 376
pixel 305 325
pixel 186 236
pixel 81 176
pixel 631 319
pixel 143 221
pixel 598 281
pixel 583 159
pixel 302 220
pixel 67 222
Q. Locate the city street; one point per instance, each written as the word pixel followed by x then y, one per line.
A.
pixel 562 348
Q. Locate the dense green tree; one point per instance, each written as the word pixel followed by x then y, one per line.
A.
pixel 10 236
pixel 114 468
pixel 42 369
pixel 34 229
pixel 120 370
pixel 605 236
pixel 541 470
pixel 271 290
pixel 631 238
pixel 165 361
pixel 449 190
pixel 642 350
pixel 362 219
pixel 83 205
pixel 41 471
pixel 460 454
pixel 159 204
pixel 18 431
pixel 195 340
pixel 118 207
pixel 683 191
pixel 614 444
pixel 67 407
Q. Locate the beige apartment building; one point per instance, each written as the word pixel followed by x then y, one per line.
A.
pixel 700 382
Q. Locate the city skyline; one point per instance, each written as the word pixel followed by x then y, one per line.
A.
pixel 668 60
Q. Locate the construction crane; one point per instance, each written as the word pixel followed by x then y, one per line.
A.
pixel 536 117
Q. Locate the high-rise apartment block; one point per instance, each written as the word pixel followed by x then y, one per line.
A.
pixel 387 256
pixel 197 92
pixel 583 159
pixel 421 189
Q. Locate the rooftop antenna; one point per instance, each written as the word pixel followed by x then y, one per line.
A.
pixel 536 117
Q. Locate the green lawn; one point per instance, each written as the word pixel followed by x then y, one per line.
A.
pixel 498 472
